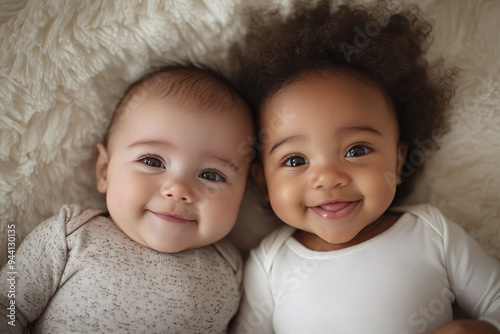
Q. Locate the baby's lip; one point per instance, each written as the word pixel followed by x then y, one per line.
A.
pixel 335 209
pixel 172 217
pixel 334 206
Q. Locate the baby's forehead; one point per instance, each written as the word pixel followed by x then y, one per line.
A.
pixel 203 90
pixel 140 118
pixel 301 81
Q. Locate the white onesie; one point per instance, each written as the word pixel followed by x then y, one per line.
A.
pixel 404 280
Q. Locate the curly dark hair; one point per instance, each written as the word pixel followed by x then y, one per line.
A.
pixel 373 42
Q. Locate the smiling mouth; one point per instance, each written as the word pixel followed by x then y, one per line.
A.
pixel 173 218
pixel 335 210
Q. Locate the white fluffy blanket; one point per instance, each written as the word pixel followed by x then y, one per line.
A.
pixel 64 64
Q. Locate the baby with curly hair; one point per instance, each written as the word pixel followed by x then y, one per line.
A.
pixel 346 102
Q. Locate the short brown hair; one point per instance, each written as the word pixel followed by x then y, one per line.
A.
pixel 203 85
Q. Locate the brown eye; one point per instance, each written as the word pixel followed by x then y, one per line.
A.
pixel 212 176
pixel 295 161
pixel 153 162
pixel 357 151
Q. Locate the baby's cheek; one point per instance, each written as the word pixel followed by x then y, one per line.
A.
pixel 381 190
pixel 283 200
pixel 226 201
pixel 127 195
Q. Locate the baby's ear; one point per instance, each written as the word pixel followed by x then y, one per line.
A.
pixel 101 168
pixel 260 180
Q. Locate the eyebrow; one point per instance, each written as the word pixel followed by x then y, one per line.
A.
pixel 285 141
pixel 342 131
pixel 360 129
pixel 150 143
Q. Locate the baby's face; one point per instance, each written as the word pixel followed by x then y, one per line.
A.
pixel 174 176
pixel 330 156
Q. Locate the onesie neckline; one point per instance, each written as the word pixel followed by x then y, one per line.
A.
pixel 305 252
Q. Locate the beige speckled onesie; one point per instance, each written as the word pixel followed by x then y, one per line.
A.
pixel 78 273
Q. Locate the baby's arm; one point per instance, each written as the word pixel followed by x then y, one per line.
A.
pixel 33 277
pixel 467 327
pixel 256 309
pixel 475 281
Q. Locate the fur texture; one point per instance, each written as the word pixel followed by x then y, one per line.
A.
pixel 64 64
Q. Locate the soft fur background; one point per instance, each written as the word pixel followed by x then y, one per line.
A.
pixel 64 64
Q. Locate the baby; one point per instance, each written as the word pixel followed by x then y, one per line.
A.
pixel 345 98
pixel 174 179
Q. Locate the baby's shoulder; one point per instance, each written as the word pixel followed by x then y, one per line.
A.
pixel 230 253
pixel 69 218
pixel 74 216
pixel 431 217
pixel 270 246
